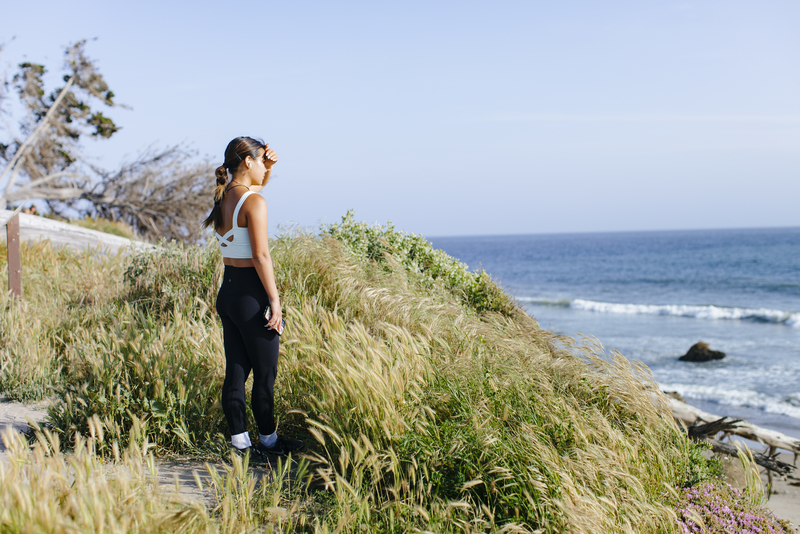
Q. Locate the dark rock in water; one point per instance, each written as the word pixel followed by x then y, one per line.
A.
pixel 701 353
pixel 675 395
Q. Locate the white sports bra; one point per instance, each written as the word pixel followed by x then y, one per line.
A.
pixel 236 241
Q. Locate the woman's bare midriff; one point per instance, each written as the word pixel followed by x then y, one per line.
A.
pixel 238 262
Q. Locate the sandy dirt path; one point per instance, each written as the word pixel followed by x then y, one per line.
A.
pixel 171 473
pixel 16 415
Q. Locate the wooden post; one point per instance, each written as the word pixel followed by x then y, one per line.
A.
pixel 14 256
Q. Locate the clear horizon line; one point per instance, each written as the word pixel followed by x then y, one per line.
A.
pixel 661 230
pixel 643 118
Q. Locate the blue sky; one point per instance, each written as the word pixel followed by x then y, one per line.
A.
pixel 462 118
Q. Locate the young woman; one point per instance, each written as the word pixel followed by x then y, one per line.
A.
pixel 248 289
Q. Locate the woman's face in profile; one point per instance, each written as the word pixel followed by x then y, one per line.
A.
pixel 258 170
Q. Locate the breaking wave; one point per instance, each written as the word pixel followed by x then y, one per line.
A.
pixel 711 312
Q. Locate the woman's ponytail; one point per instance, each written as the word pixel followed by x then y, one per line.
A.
pixel 222 178
pixel 215 217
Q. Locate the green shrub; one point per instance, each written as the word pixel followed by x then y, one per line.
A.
pixel 152 356
pixel 173 277
pixel 375 243
pixel 132 370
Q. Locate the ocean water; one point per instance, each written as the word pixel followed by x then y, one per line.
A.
pixel 652 295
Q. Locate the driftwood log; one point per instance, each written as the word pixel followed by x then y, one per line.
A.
pixel 690 416
pixel 709 430
pixel 767 462
pixel 704 426
pixel 725 425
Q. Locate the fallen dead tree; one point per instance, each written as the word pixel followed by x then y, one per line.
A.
pixel 770 463
pixel 773 440
pixel 704 426
pixel 160 194
pixel 725 425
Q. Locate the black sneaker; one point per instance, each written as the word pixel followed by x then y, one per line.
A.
pixel 256 456
pixel 281 447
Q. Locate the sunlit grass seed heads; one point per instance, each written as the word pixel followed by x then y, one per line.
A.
pixel 429 399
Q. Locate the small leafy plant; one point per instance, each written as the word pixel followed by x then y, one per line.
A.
pixel 698 467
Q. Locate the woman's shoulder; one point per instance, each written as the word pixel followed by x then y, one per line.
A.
pixel 254 200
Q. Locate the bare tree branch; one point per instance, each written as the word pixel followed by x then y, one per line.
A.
pixel 35 189
pixel 51 177
pixel 48 193
pixel 157 194
pixel 3 82
pixel 20 153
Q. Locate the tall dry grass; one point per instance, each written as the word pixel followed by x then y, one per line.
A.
pixel 423 412
pixel 457 420
pixel 59 285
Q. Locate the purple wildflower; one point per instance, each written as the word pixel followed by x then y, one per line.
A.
pixel 723 510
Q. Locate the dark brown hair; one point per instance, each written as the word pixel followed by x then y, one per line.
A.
pixel 235 154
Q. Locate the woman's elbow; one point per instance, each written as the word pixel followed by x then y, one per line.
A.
pixel 261 258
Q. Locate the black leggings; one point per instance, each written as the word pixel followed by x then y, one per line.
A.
pixel 249 345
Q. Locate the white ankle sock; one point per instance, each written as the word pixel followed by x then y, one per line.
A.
pixel 241 441
pixel 269 441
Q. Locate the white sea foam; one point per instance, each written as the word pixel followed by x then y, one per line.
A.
pixel 546 302
pixel 710 312
pixel 785 405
